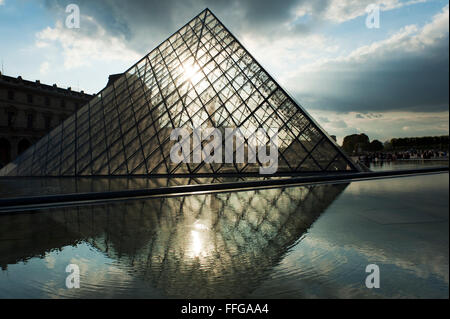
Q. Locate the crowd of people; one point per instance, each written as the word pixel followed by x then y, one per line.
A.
pixel 371 157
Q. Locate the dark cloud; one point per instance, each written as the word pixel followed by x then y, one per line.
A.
pixel 368 116
pixel 145 23
pixel 258 12
pixel 406 73
pixel 339 124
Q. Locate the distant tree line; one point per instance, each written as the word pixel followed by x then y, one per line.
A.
pixel 420 143
pixel 360 143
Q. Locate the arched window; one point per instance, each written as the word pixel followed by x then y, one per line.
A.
pixel 5 152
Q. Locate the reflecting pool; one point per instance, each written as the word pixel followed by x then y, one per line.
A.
pixel 406 164
pixel 292 242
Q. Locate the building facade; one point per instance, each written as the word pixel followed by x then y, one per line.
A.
pixel 29 110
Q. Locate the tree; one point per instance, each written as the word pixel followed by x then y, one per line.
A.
pixel 376 146
pixel 355 143
pixel 387 146
pixel 421 143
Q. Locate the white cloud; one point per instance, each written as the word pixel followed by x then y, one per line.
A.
pixel 43 69
pixel 87 45
pixel 409 38
pixel 344 10
pixel 283 53
pixel 2 2
pixel 50 261
pixel 383 126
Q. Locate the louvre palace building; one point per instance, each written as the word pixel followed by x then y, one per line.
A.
pixel 29 110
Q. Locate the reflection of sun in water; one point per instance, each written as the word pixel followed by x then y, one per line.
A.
pixel 196 243
pixel 200 226
pixel 198 240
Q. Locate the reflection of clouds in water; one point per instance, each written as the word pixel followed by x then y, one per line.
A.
pixel 318 269
pixel 318 259
pixel 413 212
pixel 50 261
pixel 401 185
pixel 376 222
pixel 238 244
pixel 82 263
pixel 421 263
pixel 95 272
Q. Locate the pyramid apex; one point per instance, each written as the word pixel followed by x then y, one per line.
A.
pixel 207 10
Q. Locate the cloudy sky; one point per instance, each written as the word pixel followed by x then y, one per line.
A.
pixel 390 81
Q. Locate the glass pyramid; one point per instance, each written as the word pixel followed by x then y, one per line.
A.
pixel 201 77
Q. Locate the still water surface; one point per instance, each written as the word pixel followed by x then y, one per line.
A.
pixel 407 164
pixel 297 242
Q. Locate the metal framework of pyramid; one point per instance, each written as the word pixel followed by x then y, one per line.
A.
pixel 200 77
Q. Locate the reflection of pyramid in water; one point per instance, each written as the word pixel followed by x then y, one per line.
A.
pixel 201 246
pixel 200 77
